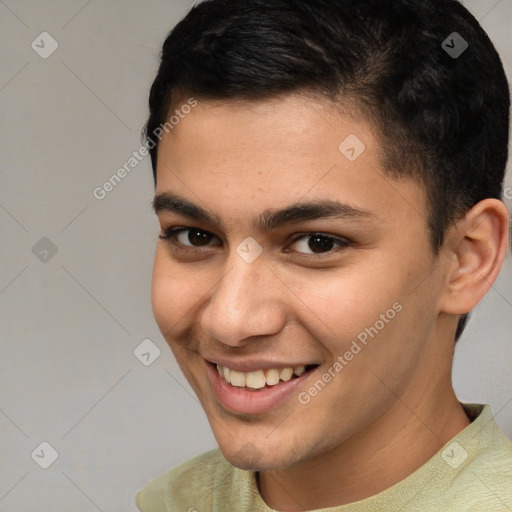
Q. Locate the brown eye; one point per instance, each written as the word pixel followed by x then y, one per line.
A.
pixel 197 237
pixel 190 237
pixel 317 243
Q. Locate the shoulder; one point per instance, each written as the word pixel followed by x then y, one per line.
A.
pixel 491 447
pixel 472 472
pixel 187 486
pixel 480 461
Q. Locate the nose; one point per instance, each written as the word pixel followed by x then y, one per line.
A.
pixel 245 303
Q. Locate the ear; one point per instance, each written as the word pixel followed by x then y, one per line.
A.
pixel 476 247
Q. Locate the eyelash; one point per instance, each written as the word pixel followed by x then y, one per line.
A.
pixel 170 236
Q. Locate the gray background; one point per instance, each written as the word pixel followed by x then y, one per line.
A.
pixel 72 320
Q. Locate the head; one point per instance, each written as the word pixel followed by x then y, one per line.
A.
pixel 349 120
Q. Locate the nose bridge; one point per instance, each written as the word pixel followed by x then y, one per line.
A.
pixel 238 282
pixel 243 303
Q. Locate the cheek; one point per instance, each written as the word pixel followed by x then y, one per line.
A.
pixel 370 304
pixel 178 293
pixel 344 303
pixel 161 303
pixel 169 294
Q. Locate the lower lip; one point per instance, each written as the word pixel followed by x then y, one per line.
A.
pixel 243 401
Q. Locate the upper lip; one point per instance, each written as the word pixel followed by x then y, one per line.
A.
pixel 255 364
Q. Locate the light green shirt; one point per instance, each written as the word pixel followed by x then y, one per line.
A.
pixel 471 473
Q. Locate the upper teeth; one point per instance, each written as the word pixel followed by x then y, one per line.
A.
pixel 259 378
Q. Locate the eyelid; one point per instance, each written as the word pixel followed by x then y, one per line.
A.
pixel 167 233
pixel 171 234
pixel 305 234
pixel 340 244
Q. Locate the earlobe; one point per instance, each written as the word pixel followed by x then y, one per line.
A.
pixel 476 247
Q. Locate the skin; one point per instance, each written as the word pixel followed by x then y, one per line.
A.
pixel 392 407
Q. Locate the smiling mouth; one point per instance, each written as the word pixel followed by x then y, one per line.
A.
pixel 261 379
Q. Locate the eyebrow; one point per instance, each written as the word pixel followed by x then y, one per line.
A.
pixel 270 219
pixel 166 202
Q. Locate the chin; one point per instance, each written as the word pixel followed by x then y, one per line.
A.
pixel 258 456
pixel 251 460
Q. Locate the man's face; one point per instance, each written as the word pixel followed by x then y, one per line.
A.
pixel 293 253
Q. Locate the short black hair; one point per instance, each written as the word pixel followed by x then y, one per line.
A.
pixel 443 118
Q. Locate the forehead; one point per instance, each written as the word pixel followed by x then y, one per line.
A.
pixel 243 157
